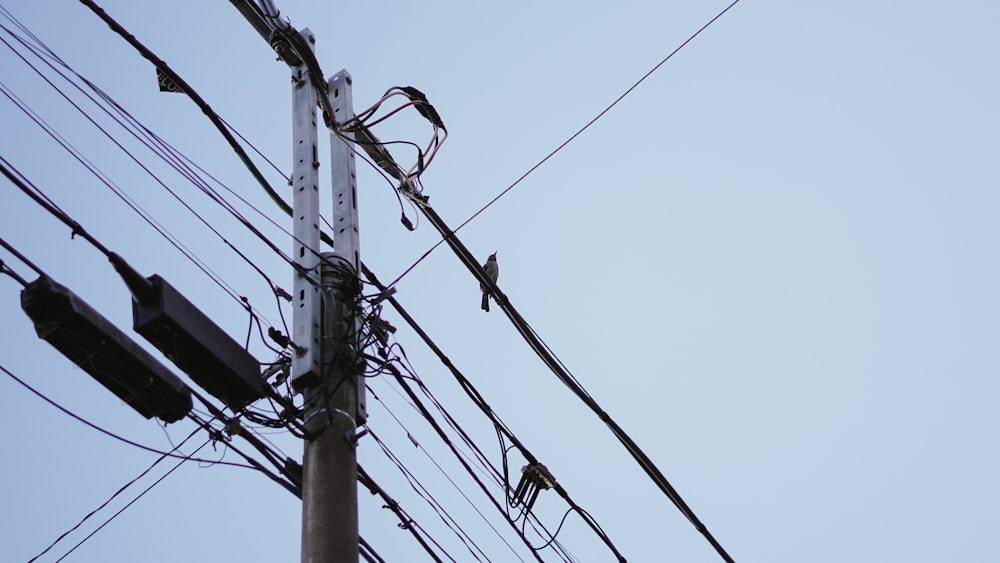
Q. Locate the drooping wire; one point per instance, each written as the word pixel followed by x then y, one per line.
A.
pixel 402 379
pixel 91 4
pixel 110 434
pixel 288 471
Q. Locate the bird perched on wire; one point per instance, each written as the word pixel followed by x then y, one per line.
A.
pixel 492 272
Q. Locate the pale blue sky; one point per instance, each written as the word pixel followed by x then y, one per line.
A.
pixel 773 264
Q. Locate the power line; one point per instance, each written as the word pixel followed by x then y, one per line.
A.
pixel 527 332
pixel 86 422
pixel 545 353
pixel 200 264
pixel 448 520
pixel 133 501
pixel 480 402
pixel 191 93
pixel 155 144
pixel 405 521
pixel 501 478
pixel 113 497
pixel 445 474
pixel 566 142
pixel 560 370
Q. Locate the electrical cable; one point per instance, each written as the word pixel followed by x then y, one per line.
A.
pixel 133 501
pixel 191 93
pixel 444 437
pixel 117 261
pixel 115 495
pixel 479 401
pixel 153 142
pixel 5 270
pixel 20 256
pixel 563 374
pixel 567 141
pixel 168 155
pixel 422 491
pixel 214 117
pixel 200 264
pixel 405 522
pixel 369 554
pixel 445 474
pixel 448 236
pixel 112 434
pixel 502 482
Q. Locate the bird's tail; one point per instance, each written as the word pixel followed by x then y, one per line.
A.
pixel 486 302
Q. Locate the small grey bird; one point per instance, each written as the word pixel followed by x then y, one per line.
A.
pixel 493 272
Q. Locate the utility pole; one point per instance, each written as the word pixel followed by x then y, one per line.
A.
pixel 327 362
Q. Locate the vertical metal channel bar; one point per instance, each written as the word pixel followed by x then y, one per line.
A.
pixel 306 328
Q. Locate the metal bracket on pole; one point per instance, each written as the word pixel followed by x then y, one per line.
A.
pixel 346 237
pixel 306 329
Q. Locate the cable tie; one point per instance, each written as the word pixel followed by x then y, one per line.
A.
pixel 281 293
pixel 389 292
pixel 278 338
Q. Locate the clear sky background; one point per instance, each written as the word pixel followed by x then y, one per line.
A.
pixel 773 264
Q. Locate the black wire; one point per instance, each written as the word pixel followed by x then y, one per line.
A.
pixel 133 501
pixel 214 117
pixel 563 374
pixel 15 177
pixel 569 140
pixel 368 552
pixel 504 482
pixel 437 428
pixel 20 256
pixel 165 151
pixel 191 93
pixel 443 472
pixel 4 269
pixel 405 522
pixel 118 192
pixel 422 491
pixel 115 495
pixel 233 427
pixel 478 399
pixel 466 257
pixel 113 435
